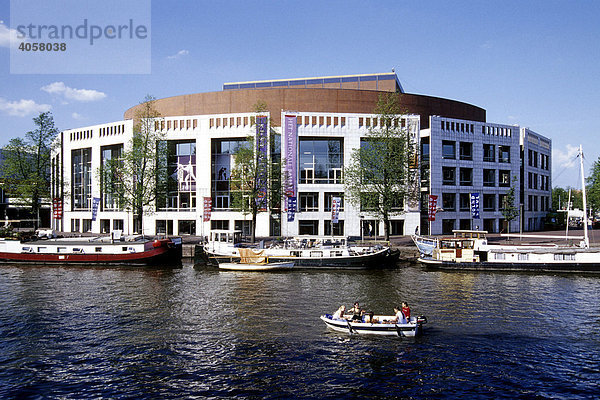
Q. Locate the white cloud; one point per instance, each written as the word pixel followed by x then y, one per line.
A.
pixel 565 158
pixel 180 53
pixel 22 108
pixel 76 116
pixel 6 34
pixel 59 88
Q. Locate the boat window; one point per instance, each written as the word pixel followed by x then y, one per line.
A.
pixel 41 249
pixel 336 253
pixel 61 249
pixel 98 249
pixel 77 250
pixel 124 248
pixel 500 256
pixel 27 249
pixel 523 257
pixel 316 254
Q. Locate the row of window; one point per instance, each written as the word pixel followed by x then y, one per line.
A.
pixel 543 180
pixel 488 202
pixel 465 151
pixel 112 130
pixel 466 177
pixel 533 157
pixel 309 201
pixel 176 124
pixel 452 126
pixel 538 203
pixel 321 120
pixel 79 135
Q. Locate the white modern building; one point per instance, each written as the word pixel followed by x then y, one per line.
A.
pixel 461 154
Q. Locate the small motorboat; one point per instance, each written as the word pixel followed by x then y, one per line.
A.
pixel 414 327
pixel 251 260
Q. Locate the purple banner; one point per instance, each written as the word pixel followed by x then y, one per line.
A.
pixel 262 145
pixel 291 161
pixel 336 203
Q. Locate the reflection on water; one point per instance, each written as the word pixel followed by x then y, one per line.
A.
pixel 78 333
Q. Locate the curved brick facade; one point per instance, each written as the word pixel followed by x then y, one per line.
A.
pixel 309 99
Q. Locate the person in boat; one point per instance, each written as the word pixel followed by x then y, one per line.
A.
pixel 398 316
pixel 339 314
pixel 357 312
pixel 405 311
pixel 370 319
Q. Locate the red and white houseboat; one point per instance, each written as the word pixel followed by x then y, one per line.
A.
pixel 93 251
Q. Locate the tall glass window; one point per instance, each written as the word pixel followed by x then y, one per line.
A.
pixel 112 181
pixel 81 179
pixel 181 172
pixel 222 151
pixel 321 160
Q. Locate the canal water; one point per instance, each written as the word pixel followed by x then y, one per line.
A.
pixel 74 333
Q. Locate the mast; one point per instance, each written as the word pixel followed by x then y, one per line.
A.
pixel 585 220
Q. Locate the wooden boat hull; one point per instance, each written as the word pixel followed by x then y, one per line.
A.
pixel 271 266
pixel 382 329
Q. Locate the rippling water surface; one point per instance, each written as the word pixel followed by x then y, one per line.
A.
pixel 126 333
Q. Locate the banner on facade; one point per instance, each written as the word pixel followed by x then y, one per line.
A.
pixel 432 206
pixel 95 204
pixel 57 208
pixel 336 203
pixel 291 162
pixel 207 209
pixel 475 205
pixel 262 162
pixel 291 208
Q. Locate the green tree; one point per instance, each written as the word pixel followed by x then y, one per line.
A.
pixel 560 197
pixel 142 166
pixel 383 173
pixel 593 187
pixel 510 211
pixel 250 172
pixel 26 166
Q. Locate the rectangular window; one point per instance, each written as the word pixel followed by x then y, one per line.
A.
pixel 489 153
pixel 219 224
pixel 309 201
pixel 449 201
pixel 308 227
pixel 111 187
pixel 448 176
pixel 504 154
pixel 81 179
pixel 321 160
pixel 466 151
pixel 328 201
pixel 466 176
pixel 187 227
pixel 489 202
pixel 489 176
pixel 504 178
pixel 465 202
pixel 338 228
pixel 448 150
pixel 448 225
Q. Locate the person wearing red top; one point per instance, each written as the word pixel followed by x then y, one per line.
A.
pixel 406 311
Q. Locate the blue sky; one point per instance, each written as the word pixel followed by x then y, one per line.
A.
pixel 531 63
